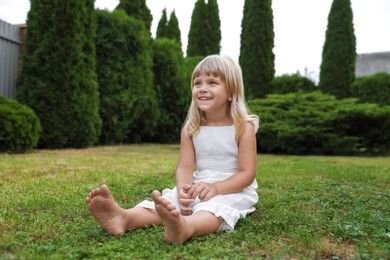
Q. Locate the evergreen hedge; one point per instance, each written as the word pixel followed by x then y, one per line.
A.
pixel 291 83
pixel 315 123
pixel 171 88
pixel 373 88
pixel 20 127
pixel 137 9
pixel 128 104
pixel 58 79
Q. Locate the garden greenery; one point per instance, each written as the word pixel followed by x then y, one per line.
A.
pixel 291 83
pixel 128 106
pixel 20 127
pixel 316 123
pixel 171 89
pixel 373 88
pixel 58 79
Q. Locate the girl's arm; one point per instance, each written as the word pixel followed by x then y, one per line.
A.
pixel 186 161
pixel 242 178
pixel 184 172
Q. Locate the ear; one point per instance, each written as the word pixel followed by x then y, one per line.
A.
pixel 230 98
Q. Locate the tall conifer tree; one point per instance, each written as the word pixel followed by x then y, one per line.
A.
pixel 58 78
pixel 173 30
pixel 339 53
pixel 162 25
pixel 214 27
pixel 124 74
pixel 257 59
pixel 169 29
pixel 204 37
pixel 138 10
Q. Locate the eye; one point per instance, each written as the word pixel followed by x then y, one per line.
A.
pixel 197 84
pixel 213 83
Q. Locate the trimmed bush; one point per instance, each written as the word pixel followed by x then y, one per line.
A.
pixel 291 83
pixel 58 78
pixel 171 88
pixel 19 127
pixel 316 123
pixel 372 89
pixel 128 105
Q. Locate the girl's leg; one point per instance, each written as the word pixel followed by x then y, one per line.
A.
pixel 114 219
pixel 178 228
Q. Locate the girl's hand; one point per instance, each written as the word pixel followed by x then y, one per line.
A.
pixel 204 190
pixel 185 200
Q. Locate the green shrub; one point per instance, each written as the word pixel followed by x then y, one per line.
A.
pixel 171 88
pixel 372 89
pixel 291 83
pixel 58 78
pixel 19 127
pixel 128 105
pixel 316 123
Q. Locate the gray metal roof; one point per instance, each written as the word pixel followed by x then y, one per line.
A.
pixel 371 63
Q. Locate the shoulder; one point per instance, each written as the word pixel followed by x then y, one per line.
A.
pixel 248 133
pixel 252 120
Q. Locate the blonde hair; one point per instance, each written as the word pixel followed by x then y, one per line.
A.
pixel 230 73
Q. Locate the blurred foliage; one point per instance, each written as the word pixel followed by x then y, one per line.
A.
pixel 291 83
pixel 316 123
pixel 339 52
pixel 257 59
pixel 58 79
pixel 373 88
pixel 20 127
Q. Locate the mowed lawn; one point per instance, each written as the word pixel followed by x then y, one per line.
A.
pixel 310 207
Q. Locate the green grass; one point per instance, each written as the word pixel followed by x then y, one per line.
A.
pixel 310 207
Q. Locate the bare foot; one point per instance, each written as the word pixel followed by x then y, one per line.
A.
pixel 176 227
pixel 109 215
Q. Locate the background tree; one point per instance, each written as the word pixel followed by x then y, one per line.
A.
pixel 138 10
pixel 339 52
pixel 168 29
pixel 291 83
pixel 372 88
pixel 204 37
pixel 257 59
pixel 162 25
pixel 120 40
pixel 171 88
pixel 173 30
pixel 58 78
pixel 214 27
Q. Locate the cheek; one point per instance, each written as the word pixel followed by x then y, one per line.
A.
pixel 194 92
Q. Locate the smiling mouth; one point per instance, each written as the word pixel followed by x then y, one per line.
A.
pixel 204 98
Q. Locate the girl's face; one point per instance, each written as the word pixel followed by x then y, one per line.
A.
pixel 210 93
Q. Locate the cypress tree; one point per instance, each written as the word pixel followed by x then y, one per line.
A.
pixel 214 27
pixel 257 59
pixel 58 78
pixel 171 88
pixel 339 52
pixel 172 29
pixel 198 34
pixel 138 10
pixel 120 41
pixel 162 25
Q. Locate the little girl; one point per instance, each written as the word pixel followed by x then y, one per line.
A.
pixel 219 138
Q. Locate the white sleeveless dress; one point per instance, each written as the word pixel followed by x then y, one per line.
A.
pixel 216 154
